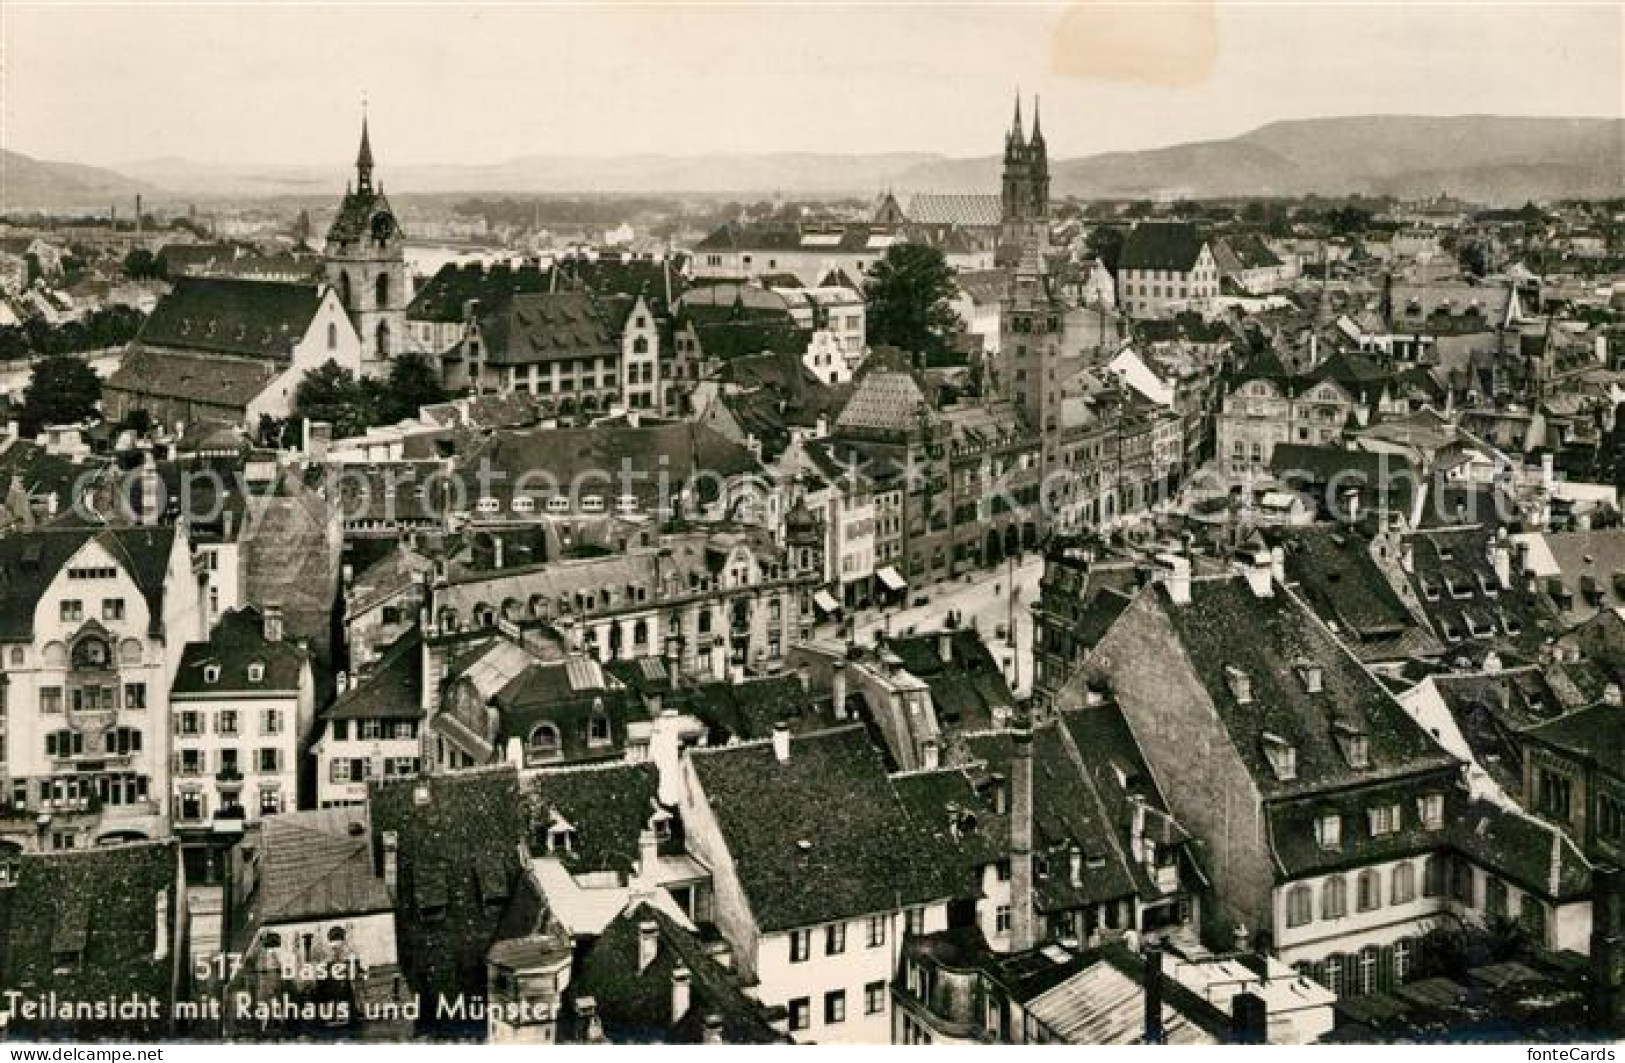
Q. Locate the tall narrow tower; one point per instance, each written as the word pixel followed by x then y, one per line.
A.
pixel 366 264
pixel 1025 190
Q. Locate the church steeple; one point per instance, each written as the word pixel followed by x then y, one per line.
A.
pixel 1016 136
pixel 1038 133
pixel 363 158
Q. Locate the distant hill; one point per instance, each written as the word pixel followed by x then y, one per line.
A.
pixel 1481 158
pixel 26 183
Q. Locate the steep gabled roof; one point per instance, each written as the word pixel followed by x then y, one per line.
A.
pixel 231 316
pixel 1162 245
pixel 839 842
pixel 317 864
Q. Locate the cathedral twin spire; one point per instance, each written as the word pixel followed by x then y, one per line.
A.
pixel 1017 141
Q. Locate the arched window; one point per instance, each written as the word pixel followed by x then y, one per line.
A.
pixel 544 741
pixel 332 336
pixel 381 292
pixel 383 338
pixel 1300 906
pixel 1334 898
pixel 1368 891
pixel 1402 888
pixel 345 292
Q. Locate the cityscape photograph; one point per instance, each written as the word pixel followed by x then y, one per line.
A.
pixel 1085 523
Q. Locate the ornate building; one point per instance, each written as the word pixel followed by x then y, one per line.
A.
pixel 366 264
pixel 1025 190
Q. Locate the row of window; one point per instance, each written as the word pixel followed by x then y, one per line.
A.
pixel 359 769
pixel 192 722
pixel 874 1003
pixel 268 760
pixel 101 697
pixel 72 610
pixel 119 742
pixel 375 730
pixel 1334 899
pixel 1382 820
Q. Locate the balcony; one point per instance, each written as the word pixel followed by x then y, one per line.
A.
pixel 229 780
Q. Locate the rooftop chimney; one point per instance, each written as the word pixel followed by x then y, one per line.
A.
pixel 1152 954
pixel 945 646
pixel 838 689
pixel 648 943
pixel 781 742
pixel 679 993
pixel 713 1029
pixel 1021 839
pixel 648 853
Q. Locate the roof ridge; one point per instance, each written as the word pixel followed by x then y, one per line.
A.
pixel 592 766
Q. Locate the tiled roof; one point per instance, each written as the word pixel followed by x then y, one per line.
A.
pixel 444 296
pixel 102 906
pixel 1490 710
pixel 394 690
pixel 634 1001
pixel 606 806
pixel 546 327
pixel 927 208
pixel 459 837
pixel 221 383
pixel 1161 245
pixel 1533 855
pixel 317 864
pixel 885 401
pixel 30 560
pixel 846 238
pixel 1596 733
pixel 1337 577
pixel 1226 630
pixel 748 709
pixel 966 689
pixel 259 318
pixel 839 843
pixel 237 642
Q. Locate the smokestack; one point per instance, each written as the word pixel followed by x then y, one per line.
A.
pixel 648 943
pixel 1021 838
pixel 1249 1019
pixel 1152 954
pixel 679 993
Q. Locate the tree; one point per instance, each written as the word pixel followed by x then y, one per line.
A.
pixel 411 385
pixel 908 293
pixel 1105 242
pixel 140 264
pixel 331 393
pixel 61 390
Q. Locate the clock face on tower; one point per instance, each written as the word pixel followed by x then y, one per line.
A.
pixel 383 225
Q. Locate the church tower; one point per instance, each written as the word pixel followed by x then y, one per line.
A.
pixel 366 264
pixel 1024 195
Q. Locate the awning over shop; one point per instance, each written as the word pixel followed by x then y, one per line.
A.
pixel 892 579
pixel 826 603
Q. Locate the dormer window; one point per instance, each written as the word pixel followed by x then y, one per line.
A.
pixel 1384 819
pixel 1329 830
pixel 1311 674
pixel 1430 810
pixel 1282 755
pixel 1353 743
pixel 1241 684
pixel 256 672
pixel 211 673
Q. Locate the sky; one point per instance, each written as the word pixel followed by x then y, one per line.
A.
pixel 265 83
